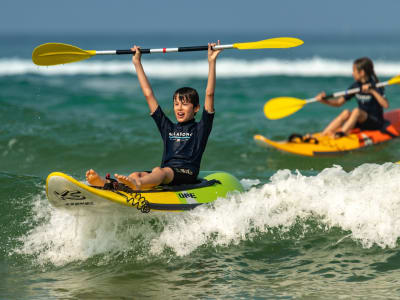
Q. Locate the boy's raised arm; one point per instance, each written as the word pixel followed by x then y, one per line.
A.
pixel 210 90
pixel 144 83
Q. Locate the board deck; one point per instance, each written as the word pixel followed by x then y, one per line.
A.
pixel 63 191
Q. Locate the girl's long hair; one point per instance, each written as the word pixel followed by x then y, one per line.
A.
pixel 366 64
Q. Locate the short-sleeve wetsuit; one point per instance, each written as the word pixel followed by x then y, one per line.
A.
pixel 368 103
pixel 184 144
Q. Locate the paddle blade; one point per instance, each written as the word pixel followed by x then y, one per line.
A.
pixel 51 54
pixel 281 107
pixel 394 80
pixel 282 42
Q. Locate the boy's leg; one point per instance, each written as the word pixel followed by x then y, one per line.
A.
pixel 137 175
pixel 147 180
pixel 357 115
pixel 94 179
pixel 157 176
pixel 336 123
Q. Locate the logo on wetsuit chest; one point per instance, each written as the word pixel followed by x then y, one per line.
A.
pixel 363 98
pixel 180 136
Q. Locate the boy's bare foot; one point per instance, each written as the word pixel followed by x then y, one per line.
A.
pixel 129 181
pixel 94 179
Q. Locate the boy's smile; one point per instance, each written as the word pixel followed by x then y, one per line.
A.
pixel 184 110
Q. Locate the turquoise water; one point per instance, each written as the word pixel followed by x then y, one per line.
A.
pixel 304 228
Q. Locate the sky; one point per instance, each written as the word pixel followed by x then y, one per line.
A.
pixel 200 16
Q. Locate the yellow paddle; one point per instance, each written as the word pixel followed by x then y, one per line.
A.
pixel 281 107
pixel 57 53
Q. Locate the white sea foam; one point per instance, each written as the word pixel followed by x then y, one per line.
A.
pixel 227 68
pixel 61 237
pixel 364 202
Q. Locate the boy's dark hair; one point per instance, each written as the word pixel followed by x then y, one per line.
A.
pixel 366 64
pixel 187 94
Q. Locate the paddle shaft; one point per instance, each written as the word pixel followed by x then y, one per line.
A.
pixel 346 92
pixel 164 50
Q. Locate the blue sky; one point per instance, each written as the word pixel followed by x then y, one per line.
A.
pixel 200 16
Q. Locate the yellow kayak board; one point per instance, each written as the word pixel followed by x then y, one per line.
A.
pixel 63 191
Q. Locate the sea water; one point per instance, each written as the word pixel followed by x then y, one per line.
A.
pixel 304 227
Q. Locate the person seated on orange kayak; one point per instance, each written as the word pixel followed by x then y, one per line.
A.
pixel 371 102
pixel 184 142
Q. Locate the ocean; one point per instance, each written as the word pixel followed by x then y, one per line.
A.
pixel 305 228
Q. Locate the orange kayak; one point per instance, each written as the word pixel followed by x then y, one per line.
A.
pixel 319 145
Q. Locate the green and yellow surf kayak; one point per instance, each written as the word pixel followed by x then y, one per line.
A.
pixel 319 145
pixel 65 192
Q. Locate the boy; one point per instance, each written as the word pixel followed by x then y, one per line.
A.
pixel 184 142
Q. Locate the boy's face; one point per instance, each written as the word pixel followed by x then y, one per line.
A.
pixel 184 110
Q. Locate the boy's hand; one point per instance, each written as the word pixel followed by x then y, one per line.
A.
pixel 212 54
pixel 136 58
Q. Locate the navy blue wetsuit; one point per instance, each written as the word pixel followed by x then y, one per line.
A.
pixel 184 144
pixel 369 104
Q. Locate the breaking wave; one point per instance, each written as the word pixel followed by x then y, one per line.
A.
pixel 227 68
pixel 363 204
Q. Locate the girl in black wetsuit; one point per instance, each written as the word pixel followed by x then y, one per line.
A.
pixel 371 102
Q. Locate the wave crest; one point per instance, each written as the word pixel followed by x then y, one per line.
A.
pixel 227 68
pixel 363 204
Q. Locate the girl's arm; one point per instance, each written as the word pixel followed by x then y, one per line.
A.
pixel 143 81
pixel 336 102
pixel 382 100
pixel 210 90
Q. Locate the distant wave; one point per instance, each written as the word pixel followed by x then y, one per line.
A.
pixel 198 68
